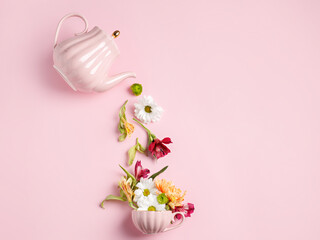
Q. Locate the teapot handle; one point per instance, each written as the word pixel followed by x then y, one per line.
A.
pixel 66 17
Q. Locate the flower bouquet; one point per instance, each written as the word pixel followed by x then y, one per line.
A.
pixel 156 203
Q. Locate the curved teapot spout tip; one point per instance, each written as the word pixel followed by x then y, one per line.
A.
pixel 116 34
pixel 113 80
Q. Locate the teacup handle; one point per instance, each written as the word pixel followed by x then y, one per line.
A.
pixel 66 17
pixel 178 225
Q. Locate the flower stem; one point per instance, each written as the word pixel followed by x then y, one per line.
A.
pixel 151 136
pixel 132 205
pixel 142 125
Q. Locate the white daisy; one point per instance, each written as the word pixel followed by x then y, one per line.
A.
pixel 150 203
pixel 146 110
pixel 145 187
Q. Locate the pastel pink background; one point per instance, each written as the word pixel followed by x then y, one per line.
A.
pixel 239 82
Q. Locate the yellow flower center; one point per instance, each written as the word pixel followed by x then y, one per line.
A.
pixel 148 109
pixel 151 208
pixel 146 192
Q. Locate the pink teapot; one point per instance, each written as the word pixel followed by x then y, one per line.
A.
pixel 84 60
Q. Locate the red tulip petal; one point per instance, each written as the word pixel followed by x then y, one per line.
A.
pixel 165 149
pixel 137 168
pixel 151 146
pixel 166 140
pixel 144 173
pixel 159 155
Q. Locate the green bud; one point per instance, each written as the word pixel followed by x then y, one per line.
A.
pixel 136 89
pixel 162 198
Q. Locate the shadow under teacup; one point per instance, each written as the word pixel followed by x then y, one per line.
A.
pixel 150 222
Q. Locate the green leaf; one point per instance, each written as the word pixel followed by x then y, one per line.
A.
pixel 121 128
pixel 132 154
pixel 122 117
pixel 122 195
pixel 133 150
pixel 139 147
pixel 112 197
pixel 158 173
pixel 122 137
pixel 129 175
pixel 122 112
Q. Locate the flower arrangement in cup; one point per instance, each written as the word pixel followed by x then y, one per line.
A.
pixel 157 203
pixel 148 193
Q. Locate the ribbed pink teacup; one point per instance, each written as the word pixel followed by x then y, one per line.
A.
pixel 150 222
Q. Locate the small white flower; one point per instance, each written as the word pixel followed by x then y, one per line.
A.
pixel 146 110
pixel 145 187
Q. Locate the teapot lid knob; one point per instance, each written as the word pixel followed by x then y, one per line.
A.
pixel 116 34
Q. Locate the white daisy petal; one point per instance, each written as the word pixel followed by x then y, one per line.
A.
pixel 137 195
pixel 161 207
pixel 146 110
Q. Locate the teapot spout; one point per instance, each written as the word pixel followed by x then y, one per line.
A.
pixel 109 82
